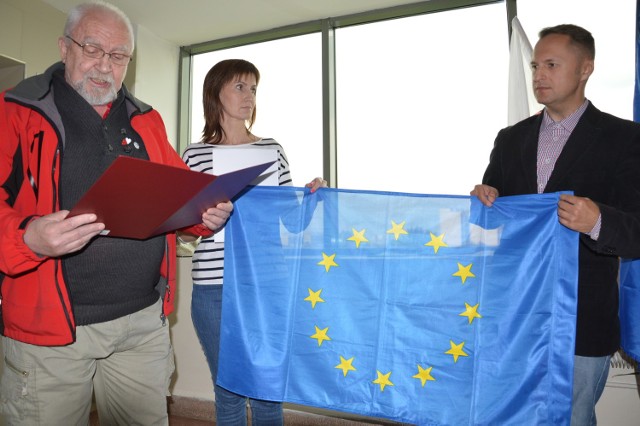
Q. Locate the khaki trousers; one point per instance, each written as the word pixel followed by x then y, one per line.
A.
pixel 127 362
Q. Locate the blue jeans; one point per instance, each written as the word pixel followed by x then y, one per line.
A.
pixel 589 377
pixel 231 408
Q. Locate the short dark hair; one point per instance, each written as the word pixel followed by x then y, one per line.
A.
pixel 580 37
pixel 219 75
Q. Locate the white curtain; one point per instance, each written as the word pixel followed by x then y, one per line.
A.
pixel 522 103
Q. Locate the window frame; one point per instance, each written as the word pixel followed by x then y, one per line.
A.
pixel 327 29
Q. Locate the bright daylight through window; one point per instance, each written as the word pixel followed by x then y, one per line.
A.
pixel 419 99
pixel 289 97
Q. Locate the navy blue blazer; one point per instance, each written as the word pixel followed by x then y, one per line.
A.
pixel 601 161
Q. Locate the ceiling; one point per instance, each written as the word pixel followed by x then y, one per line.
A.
pixel 187 22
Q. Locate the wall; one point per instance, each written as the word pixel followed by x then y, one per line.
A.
pixel 620 402
pixel 192 377
pixel 156 77
pixel 29 31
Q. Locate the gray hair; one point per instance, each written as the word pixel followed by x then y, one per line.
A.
pixel 77 13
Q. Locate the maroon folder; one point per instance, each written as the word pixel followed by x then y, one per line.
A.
pixel 139 199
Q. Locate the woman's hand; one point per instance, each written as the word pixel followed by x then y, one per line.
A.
pixel 216 217
pixel 316 183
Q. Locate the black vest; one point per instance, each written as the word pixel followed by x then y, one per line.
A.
pixel 111 277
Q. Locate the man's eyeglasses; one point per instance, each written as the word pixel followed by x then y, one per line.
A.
pixel 94 52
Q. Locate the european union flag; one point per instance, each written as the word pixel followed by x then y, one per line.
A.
pixel 636 93
pixel 630 307
pixel 416 308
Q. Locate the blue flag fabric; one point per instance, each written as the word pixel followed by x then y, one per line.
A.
pixel 420 309
pixel 630 307
pixel 636 93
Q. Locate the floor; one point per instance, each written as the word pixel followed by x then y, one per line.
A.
pixel 184 421
pixel 289 420
pixel 192 412
pixel 173 421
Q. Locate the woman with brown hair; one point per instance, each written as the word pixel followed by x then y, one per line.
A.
pixel 229 100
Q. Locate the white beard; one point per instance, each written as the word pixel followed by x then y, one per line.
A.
pixel 99 97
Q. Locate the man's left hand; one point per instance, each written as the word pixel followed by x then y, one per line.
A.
pixel 578 213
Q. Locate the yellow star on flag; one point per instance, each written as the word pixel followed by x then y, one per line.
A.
pixel 383 380
pixel 436 242
pixel 327 261
pixel 358 237
pixel 314 297
pixel 397 229
pixel 321 335
pixel 456 350
pixel 471 312
pixel 424 374
pixel 345 365
pixel 464 272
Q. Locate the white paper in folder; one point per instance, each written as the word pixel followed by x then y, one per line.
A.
pixel 229 158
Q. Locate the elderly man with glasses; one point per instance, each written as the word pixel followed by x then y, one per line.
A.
pixel 81 312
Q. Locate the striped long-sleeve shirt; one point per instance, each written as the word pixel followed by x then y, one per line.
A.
pixel 208 258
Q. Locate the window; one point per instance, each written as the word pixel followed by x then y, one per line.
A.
pixel 421 99
pixel 611 85
pixel 289 97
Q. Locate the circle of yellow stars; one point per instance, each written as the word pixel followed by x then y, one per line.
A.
pixel 383 380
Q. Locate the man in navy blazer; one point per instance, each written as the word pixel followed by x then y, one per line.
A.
pixel 572 146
